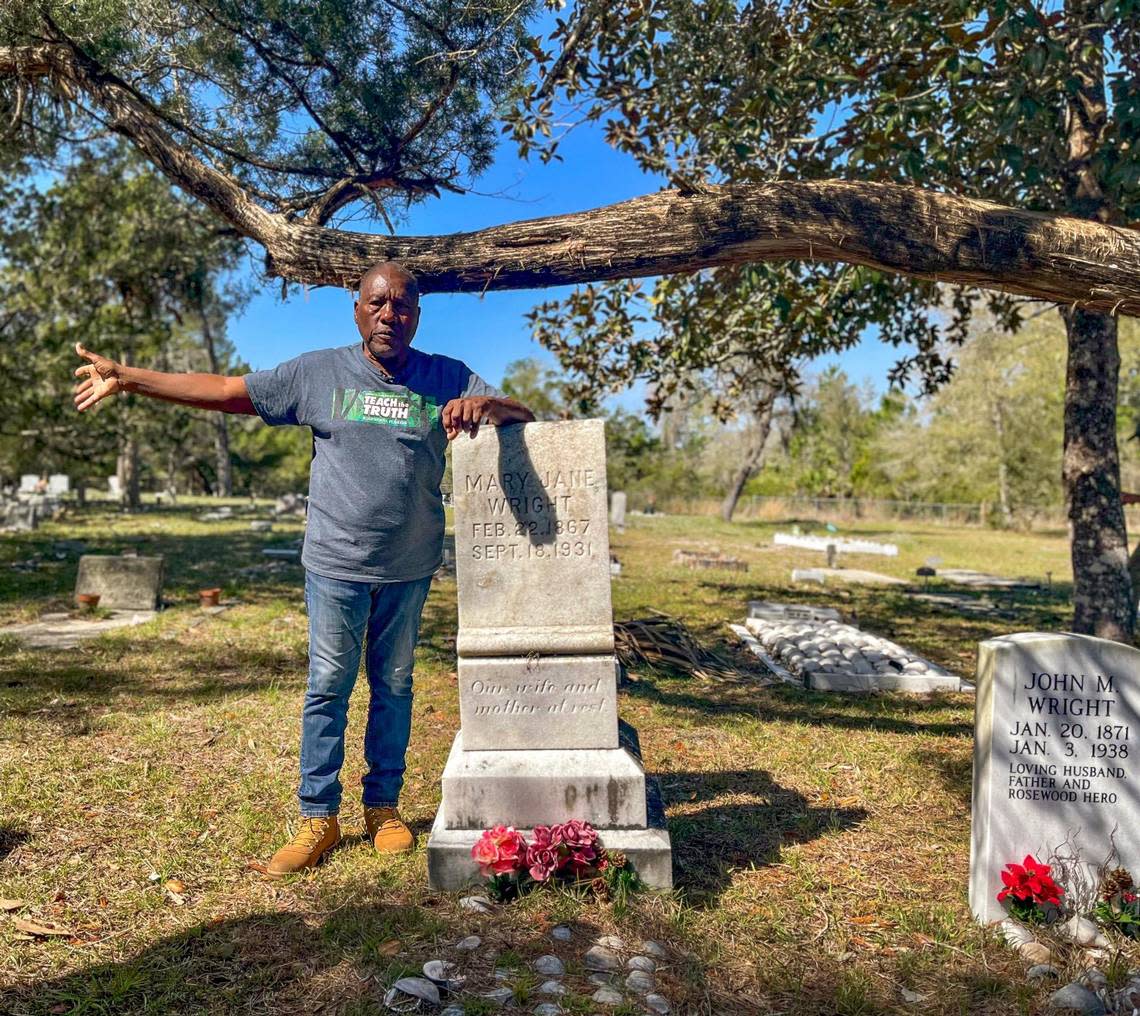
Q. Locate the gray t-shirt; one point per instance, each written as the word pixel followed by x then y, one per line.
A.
pixel 375 510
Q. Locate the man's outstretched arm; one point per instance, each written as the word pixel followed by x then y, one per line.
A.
pixel 100 378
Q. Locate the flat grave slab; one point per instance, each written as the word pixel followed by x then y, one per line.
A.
pixel 768 610
pixel 842 545
pixel 969 577
pixel 62 631
pixel 699 561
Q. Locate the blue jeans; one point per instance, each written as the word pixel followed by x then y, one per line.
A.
pixel 343 618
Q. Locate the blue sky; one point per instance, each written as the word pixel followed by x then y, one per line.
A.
pixel 488 331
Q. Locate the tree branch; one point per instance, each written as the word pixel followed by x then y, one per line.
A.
pixel 903 230
pixel 132 116
pixel 897 229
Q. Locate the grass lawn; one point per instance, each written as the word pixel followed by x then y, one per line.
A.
pixel 821 842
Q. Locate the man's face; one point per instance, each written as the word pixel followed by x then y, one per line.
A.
pixel 387 315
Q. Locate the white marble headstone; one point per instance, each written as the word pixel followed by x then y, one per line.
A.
pixel 531 541
pixel 1056 761
pixel 617 509
pixel 28 482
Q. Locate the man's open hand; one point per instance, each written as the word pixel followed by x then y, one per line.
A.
pixel 99 377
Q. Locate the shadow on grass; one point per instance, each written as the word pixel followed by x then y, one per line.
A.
pixel 738 818
pixel 63 689
pixel 285 962
pixel 335 963
pixel 12 837
pixel 896 714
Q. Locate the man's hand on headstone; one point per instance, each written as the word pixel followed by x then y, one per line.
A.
pixel 99 377
pixel 461 415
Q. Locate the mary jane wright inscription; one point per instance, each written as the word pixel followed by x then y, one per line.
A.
pixel 532 541
pixel 1054 755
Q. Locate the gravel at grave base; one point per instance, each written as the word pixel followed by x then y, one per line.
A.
pixel 1077 998
pixel 407 993
pixel 469 944
pixel 614 942
pixel 552 988
pixel 561 933
pixel 1035 953
pixel 640 981
pixel 1040 971
pixel 550 966
pixel 608 996
pixel 501 996
pixel 658 1003
pixel 476 904
pixel 654 949
pixel 599 957
pixel 641 963
pixel 548 1009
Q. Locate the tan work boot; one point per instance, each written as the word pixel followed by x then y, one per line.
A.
pixel 387 831
pixel 314 839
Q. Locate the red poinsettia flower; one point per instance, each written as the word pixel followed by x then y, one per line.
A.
pixel 1031 882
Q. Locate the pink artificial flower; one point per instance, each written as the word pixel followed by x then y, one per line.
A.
pixel 542 862
pixel 499 851
pixel 540 838
pixel 577 834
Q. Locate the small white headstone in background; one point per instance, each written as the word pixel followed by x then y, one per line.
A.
pixel 28 483
pixel 1056 762
pixel 617 509
pixel 114 487
pixel 59 483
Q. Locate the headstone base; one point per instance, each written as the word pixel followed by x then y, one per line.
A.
pixel 527 787
pixel 450 866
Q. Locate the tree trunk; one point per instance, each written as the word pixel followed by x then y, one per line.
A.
pixel 223 464
pixel 1102 587
pixel 1003 470
pixel 127 470
pixel 753 456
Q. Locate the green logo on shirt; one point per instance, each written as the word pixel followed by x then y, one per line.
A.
pixel 395 409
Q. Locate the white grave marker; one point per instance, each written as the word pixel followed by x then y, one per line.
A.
pixel 1056 761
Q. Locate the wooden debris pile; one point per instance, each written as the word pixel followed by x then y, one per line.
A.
pixel 663 641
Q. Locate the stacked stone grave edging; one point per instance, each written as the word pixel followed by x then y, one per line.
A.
pixel 539 741
pixel 828 655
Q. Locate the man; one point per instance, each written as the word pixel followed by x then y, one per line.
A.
pixel 381 415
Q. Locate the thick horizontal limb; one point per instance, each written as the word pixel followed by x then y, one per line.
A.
pixel 905 230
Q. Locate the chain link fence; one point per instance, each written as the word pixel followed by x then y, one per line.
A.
pixel 847 509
